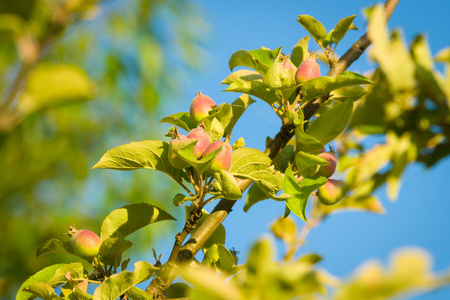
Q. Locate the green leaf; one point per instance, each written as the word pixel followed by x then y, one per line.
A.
pixel 391 54
pixel 137 294
pixel 249 82
pixel 112 249
pixel 119 283
pixel 55 246
pixel 210 285
pixel 254 195
pixel 223 114
pixel 443 55
pixel 230 188
pixel 341 28
pixel 218 236
pixel 129 218
pixel 351 203
pixel 42 276
pixel 259 60
pixel 181 119
pixel 216 130
pixel 331 123
pixel 300 51
pixel 249 163
pixel 300 191
pixel 217 256
pixel 303 141
pixel 49 85
pixel 76 273
pixel 152 155
pixel 260 260
pixel 239 106
pixel 42 290
pixel 179 199
pixel 178 290
pixel 314 27
pixel 279 77
pixel 316 87
pixel 284 158
pixel 308 164
pixel 352 93
pixel 248 160
pixel 284 229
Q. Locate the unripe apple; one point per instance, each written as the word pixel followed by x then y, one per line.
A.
pixel 308 69
pixel 175 160
pixel 286 64
pixel 85 243
pixel 200 107
pixel 203 140
pixel 332 192
pixel 223 160
pixel 328 170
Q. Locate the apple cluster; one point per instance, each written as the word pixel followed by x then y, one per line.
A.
pixel 201 105
pixel 333 190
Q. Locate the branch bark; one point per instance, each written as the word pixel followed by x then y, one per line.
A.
pixel 224 207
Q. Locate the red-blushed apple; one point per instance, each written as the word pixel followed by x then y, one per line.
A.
pixel 175 160
pixel 203 140
pixel 223 160
pixel 332 192
pixel 201 105
pixel 308 69
pixel 327 170
pixel 85 243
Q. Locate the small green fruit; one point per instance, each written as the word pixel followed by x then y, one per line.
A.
pixel 308 69
pixel 201 105
pixel 85 243
pixel 332 192
pixel 328 170
pixel 203 140
pixel 223 160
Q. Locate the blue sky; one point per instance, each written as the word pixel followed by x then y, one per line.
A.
pixel 420 215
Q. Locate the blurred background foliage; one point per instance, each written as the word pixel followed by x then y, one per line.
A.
pixel 70 72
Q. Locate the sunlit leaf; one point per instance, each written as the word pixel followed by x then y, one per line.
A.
pixel 300 51
pixel 49 85
pixel 250 82
pixel 112 249
pixel 331 123
pixel 119 283
pixel 259 60
pixel 314 27
pixel 218 256
pixel 42 276
pixel 42 290
pixel 314 88
pixel 55 246
pixel 129 218
pixel 151 155
pixel 76 273
pixel 341 28
pixel 181 119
